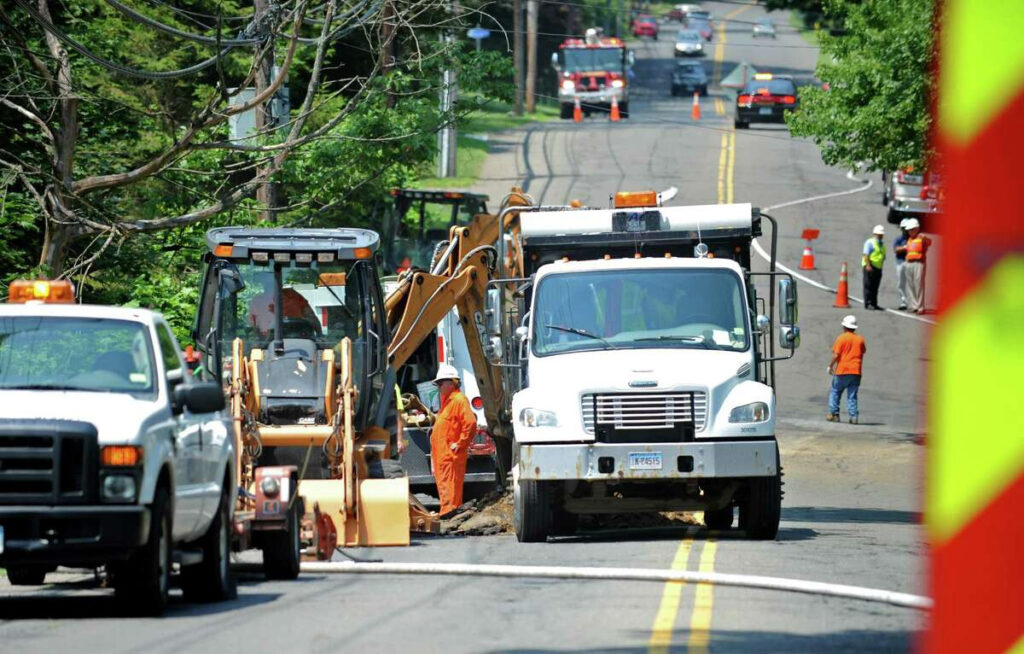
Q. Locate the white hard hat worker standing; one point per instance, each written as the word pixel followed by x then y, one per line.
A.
pixel 917 255
pixel 846 368
pixel 871 262
pixel 899 247
pixel 450 439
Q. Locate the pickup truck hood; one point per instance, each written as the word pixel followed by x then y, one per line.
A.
pixel 118 417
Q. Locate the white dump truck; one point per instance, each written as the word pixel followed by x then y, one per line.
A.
pixel 643 365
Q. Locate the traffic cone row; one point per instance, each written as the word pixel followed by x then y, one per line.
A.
pixel 577 112
pixel 842 292
pixel 807 260
pixel 615 116
pixel 695 112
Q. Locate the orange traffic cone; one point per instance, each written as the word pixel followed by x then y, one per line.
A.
pixel 616 116
pixel 577 112
pixel 807 261
pixel 842 297
pixel 695 113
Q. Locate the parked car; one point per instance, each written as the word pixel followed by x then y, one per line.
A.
pixel 689 77
pixel 688 44
pixel 765 99
pixel 763 27
pixel 907 192
pixel 645 25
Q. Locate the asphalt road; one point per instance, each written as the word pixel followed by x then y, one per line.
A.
pixel 851 511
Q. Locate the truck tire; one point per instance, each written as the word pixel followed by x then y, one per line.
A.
pixel 719 518
pixel 211 580
pixel 892 216
pixel 761 511
pixel 532 511
pixel 565 111
pixel 282 552
pixel 27 575
pixel 740 124
pixel 141 582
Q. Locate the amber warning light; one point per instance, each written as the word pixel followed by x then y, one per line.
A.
pixel 40 290
pixel 636 199
pixel 121 456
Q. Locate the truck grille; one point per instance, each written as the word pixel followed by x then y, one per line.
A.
pixel 47 462
pixel 644 411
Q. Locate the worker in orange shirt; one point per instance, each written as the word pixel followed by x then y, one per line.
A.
pixel 261 307
pixel 846 368
pixel 450 439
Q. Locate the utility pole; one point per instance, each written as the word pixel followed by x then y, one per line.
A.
pixel 447 139
pixel 517 53
pixel 266 193
pixel 387 50
pixel 531 55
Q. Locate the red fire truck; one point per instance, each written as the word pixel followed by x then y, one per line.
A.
pixel 593 70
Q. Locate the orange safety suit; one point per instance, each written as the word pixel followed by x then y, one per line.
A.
pixel 456 423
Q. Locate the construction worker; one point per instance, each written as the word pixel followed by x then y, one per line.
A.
pixel 917 252
pixel 261 307
pixel 871 262
pixel 899 247
pixel 846 368
pixel 450 439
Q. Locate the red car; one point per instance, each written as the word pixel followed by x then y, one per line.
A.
pixel 645 25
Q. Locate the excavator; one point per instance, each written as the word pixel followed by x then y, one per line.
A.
pixel 294 323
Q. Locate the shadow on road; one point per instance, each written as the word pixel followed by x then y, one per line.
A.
pixel 47 606
pixel 839 515
pixel 861 640
pixel 788 534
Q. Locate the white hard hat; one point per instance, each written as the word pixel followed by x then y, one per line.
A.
pixel 880 230
pixel 912 223
pixel 446 371
pixel 903 223
pixel 850 322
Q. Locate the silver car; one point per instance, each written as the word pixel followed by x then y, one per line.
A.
pixel 764 27
pixel 907 192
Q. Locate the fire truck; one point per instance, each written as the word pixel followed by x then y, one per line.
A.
pixel 593 70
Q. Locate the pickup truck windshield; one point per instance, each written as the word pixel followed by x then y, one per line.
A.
pixel 75 354
pixel 624 309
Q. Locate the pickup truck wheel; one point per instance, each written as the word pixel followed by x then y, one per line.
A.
pixel 761 511
pixel 141 583
pixel 27 575
pixel 211 580
pixel 281 550
pixel 565 111
pixel 719 518
pixel 532 511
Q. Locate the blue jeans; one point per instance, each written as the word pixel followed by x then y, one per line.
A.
pixel 840 383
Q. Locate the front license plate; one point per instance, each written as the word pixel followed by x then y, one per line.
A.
pixel 645 460
pixel 765 111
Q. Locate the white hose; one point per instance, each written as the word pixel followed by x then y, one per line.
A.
pixel 623 574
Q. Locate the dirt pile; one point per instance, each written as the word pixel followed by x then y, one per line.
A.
pixel 486 516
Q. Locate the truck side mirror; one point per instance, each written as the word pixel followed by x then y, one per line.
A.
pixel 789 336
pixel 554 61
pixel 492 322
pixel 201 397
pixel 787 303
pixel 764 323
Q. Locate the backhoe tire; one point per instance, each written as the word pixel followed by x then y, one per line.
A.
pixel 141 583
pixel 532 511
pixel 211 580
pixel 761 511
pixel 27 575
pixel 719 518
pixel 282 552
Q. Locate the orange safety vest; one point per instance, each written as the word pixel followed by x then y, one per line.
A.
pixel 916 247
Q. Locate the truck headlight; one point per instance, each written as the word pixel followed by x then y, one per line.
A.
pixel 537 418
pixel 753 412
pixel 119 488
pixel 617 83
pixel 680 47
pixel 568 85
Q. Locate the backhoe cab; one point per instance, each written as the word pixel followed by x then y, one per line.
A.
pixel 419 219
pixel 292 322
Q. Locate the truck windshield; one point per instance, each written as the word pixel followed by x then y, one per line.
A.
pixel 75 354
pixel 592 60
pixel 624 309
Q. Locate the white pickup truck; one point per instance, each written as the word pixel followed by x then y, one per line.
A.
pixel 110 454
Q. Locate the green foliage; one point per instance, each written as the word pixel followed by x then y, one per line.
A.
pixel 876 109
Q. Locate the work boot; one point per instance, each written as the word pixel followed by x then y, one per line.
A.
pixel 832 417
pixel 854 420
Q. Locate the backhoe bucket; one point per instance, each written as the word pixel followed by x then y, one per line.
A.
pixel 381 515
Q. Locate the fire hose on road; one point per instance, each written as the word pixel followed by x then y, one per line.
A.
pixel 906 600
